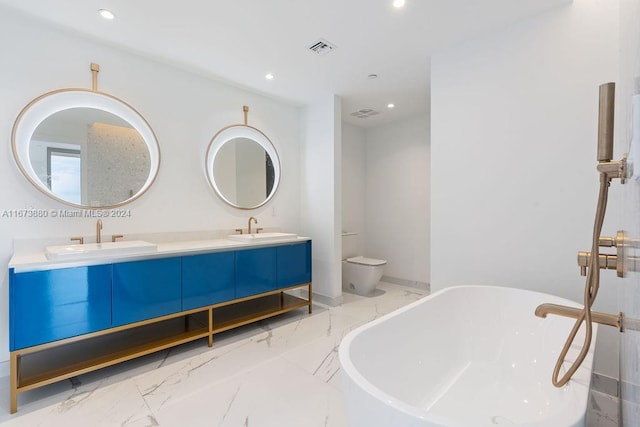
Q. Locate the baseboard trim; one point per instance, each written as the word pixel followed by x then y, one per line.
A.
pixel 328 301
pixel 406 282
pixel 317 298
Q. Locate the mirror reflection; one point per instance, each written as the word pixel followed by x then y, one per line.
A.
pixel 243 167
pixel 85 148
pixel 244 172
pixel 87 156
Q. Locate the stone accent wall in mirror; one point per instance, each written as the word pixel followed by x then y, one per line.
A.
pixel 85 148
pixel 242 166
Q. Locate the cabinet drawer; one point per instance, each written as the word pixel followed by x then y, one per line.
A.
pixel 56 304
pixel 255 271
pixel 207 279
pixel 146 289
pixel 294 264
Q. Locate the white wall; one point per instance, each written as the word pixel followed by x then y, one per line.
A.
pixel 321 193
pixel 385 195
pixel 513 136
pixel 397 217
pixel 353 182
pixel 185 111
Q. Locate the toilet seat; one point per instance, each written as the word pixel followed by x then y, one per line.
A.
pixel 366 261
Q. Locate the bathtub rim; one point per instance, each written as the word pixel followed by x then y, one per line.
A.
pixel 386 399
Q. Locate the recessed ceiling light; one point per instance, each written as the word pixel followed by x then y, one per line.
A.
pixel 391 105
pixel 373 76
pixel 106 14
pixel 269 76
pixel 398 3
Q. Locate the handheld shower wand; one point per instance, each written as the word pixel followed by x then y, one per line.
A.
pixel 605 121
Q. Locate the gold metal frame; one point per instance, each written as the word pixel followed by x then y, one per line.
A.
pixel 245 110
pixel 277 303
pixel 94 70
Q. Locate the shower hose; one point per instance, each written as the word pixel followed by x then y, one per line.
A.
pixel 590 291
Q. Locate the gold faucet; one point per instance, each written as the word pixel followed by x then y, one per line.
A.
pixel 560 310
pixel 249 224
pixel 98 230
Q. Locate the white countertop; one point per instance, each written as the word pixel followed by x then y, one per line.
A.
pixel 36 260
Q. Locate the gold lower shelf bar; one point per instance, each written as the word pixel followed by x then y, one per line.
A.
pixel 602 318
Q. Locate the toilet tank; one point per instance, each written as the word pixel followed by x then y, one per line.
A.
pixel 349 245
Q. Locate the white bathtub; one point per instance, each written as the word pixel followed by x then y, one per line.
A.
pixel 464 356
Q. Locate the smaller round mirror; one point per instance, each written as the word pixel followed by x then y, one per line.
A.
pixel 242 166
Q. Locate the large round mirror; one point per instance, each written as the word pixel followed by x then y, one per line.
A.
pixel 85 148
pixel 243 167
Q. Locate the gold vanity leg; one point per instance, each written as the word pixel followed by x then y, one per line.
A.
pixel 310 297
pixel 211 327
pixel 14 382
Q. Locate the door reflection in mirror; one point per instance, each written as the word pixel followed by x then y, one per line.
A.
pixel 64 173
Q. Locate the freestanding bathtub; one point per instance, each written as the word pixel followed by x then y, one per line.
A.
pixel 465 356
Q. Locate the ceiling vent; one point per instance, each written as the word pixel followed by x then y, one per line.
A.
pixel 322 47
pixel 364 113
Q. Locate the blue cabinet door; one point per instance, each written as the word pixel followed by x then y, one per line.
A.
pixel 56 304
pixel 294 264
pixel 207 279
pixel 146 289
pixel 255 271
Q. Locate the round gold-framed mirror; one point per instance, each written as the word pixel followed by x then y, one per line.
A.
pixel 85 148
pixel 242 166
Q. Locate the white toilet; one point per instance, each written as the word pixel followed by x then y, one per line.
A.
pixel 360 275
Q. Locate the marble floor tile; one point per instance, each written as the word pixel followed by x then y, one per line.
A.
pixel 111 405
pixel 199 372
pixel 318 358
pixel 275 393
pixel 602 410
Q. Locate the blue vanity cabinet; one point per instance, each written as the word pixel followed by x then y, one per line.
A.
pixel 146 289
pixel 52 305
pixel 293 264
pixel 255 271
pixel 72 320
pixel 208 279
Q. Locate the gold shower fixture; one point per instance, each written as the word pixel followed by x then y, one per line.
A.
pixel 589 263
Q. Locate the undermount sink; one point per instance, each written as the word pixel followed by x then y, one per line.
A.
pixel 262 237
pixel 78 251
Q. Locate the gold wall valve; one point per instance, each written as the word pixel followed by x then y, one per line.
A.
pixel 617 262
pixel 606 262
